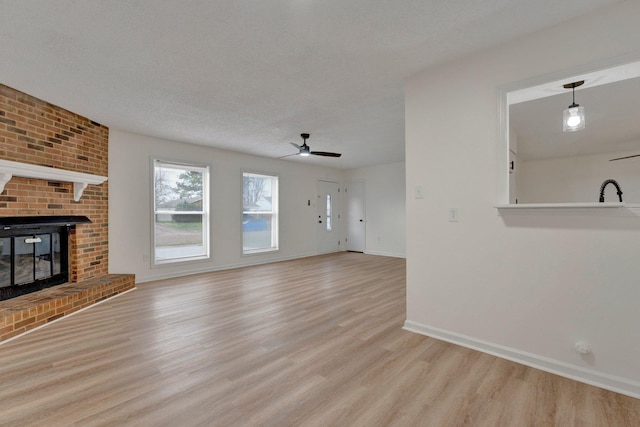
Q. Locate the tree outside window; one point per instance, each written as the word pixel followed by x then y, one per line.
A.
pixel 180 212
pixel 259 213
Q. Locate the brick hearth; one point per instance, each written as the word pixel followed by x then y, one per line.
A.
pixel 26 312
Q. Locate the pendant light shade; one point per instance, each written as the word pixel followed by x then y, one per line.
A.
pixel 573 115
pixel 573 119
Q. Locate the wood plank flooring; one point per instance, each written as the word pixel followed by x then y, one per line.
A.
pixel 310 342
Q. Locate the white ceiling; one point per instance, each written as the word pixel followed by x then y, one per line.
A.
pixel 250 76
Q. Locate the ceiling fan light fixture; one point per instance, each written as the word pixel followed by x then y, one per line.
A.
pixel 573 117
pixel 304 150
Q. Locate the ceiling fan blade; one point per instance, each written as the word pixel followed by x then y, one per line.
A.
pixel 626 157
pixel 304 149
pixel 325 153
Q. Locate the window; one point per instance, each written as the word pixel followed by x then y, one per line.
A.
pixel 329 227
pixel 181 212
pixel 259 213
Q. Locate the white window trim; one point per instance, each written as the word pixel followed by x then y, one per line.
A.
pixel 275 215
pixel 205 169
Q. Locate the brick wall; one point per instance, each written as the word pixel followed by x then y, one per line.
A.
pixel 36 132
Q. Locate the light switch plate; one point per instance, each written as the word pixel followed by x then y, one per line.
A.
pixel 454 215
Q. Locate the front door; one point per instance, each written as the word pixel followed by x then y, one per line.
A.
pixel 328 217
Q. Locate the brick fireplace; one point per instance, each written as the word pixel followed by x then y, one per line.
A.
pixel 35 132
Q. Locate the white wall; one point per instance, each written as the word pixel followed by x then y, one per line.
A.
pixel 525 287
pixel 385 208
pixel 130 204
pixel 578 179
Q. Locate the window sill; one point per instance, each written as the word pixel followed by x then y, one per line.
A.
pixel 260 251
pixel 179 261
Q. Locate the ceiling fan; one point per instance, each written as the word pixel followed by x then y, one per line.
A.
pixel 304 150
pixel 625 157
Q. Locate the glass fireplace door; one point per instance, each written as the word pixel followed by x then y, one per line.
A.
pixel 43 258
pixel 33 258
pixel 34 254
pixel 22 260
pixel 5 261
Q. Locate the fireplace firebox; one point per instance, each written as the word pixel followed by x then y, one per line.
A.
pixel 34 253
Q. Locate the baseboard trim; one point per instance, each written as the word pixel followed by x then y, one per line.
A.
pixel 206 268
pixel 389 254
pixel 577 373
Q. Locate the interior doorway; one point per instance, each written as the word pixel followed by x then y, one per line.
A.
pixel 356 216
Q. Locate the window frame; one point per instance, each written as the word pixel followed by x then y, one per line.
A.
pixel 274 213
pixel 329 214
pixel 205 213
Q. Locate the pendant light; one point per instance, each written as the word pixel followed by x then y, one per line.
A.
pixel 573 116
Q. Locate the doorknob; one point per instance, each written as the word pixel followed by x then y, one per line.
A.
pixel 360 220
pixel 319 222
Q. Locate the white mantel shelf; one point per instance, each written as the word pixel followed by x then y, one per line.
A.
pixel 607 208
pixel 9 169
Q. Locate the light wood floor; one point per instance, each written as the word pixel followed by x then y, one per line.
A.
pixel 311 342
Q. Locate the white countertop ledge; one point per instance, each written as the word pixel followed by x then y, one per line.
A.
pixel 564 205
pixel 617 209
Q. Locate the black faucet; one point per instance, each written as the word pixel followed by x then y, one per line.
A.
pixel 607 182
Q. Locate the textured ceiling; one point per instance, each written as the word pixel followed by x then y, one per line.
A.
pixel 250 76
